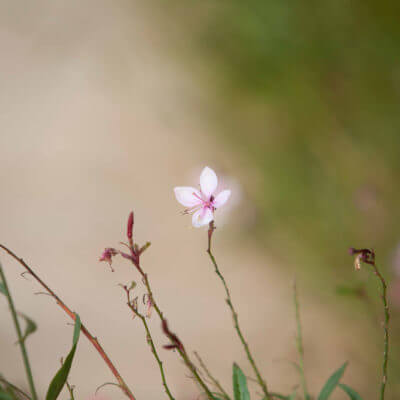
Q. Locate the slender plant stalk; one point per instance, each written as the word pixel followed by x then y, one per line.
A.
pixel 183 354
pixel 151 343
pixel 368 256
pixel 211 377
pixel 385 331
pixel 134 257
pixel 124 387
pixel 21 342
pixel 260 380
pixel 299 342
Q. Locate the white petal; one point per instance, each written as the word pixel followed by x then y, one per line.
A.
pixel 221 198
pixel 187 196
pixel 202 217
pixel 208 182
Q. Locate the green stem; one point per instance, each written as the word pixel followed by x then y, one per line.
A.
pixel 183 354
pixel 153 349
pixel 385 331
pixel 93 340
pixel 211 377
pixel 24 353
pixel 151 342
pixel 70 390
pixel 299 342
pixel 260 380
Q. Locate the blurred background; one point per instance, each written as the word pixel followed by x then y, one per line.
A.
pixel 106 106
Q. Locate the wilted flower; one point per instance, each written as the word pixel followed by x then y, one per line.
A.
pixel 202 203
pixel 108 254
pixel 362 255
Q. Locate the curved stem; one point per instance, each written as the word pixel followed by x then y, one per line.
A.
pixel 299 342
pixel 211 377
pixel 260 380
pixel 385 331
pixel 151 343
pixel 124 387
pixel 154 351
pixel 183 354
pixel 21 341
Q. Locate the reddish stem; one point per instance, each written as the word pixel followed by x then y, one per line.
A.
pixel 84 330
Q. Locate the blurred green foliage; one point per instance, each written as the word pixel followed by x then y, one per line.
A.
pixel 312 96
pixel 308 93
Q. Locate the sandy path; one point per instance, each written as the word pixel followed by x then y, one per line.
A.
pixel 97 119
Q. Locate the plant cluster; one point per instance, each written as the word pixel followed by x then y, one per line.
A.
pixel 202 204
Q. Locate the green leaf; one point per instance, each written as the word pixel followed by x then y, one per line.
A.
pixel 5 396
pixel 293 395
pixel 351 392
pixel 331 383
pixel 240 390
pixel 61 376
pixel 3 289
pixel 30 327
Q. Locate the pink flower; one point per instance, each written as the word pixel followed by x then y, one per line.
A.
pixel 202 203
pixel 107 255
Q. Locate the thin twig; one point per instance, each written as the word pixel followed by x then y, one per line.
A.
pixel 299 342
pixel 368 256
pixel 181 352
pixel 260 380
pixel 385 330
pixel 134 257
pixel 212 379
pixel 70 390
pixel 150 341
pixel 21 341
pixel 84 330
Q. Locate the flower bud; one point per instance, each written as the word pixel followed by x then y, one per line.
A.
pixel 130 226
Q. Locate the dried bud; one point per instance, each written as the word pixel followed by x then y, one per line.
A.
pixel 130 226
pixel 175 342
pixel 362 255
pixel 170 346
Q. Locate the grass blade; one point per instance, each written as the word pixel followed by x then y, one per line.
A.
pixel 30 327
pixel 351 392
pixel 61 376
pixel 331 383
pixel 240 390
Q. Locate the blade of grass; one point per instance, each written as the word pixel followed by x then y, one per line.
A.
pixel 331 383
pixel 299 343
pixel 21 340
pixel 61 376
pixel 351 392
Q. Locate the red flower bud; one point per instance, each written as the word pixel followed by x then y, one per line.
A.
pixel 130 225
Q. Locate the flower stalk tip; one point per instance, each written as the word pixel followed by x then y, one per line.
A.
pixel 129 230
